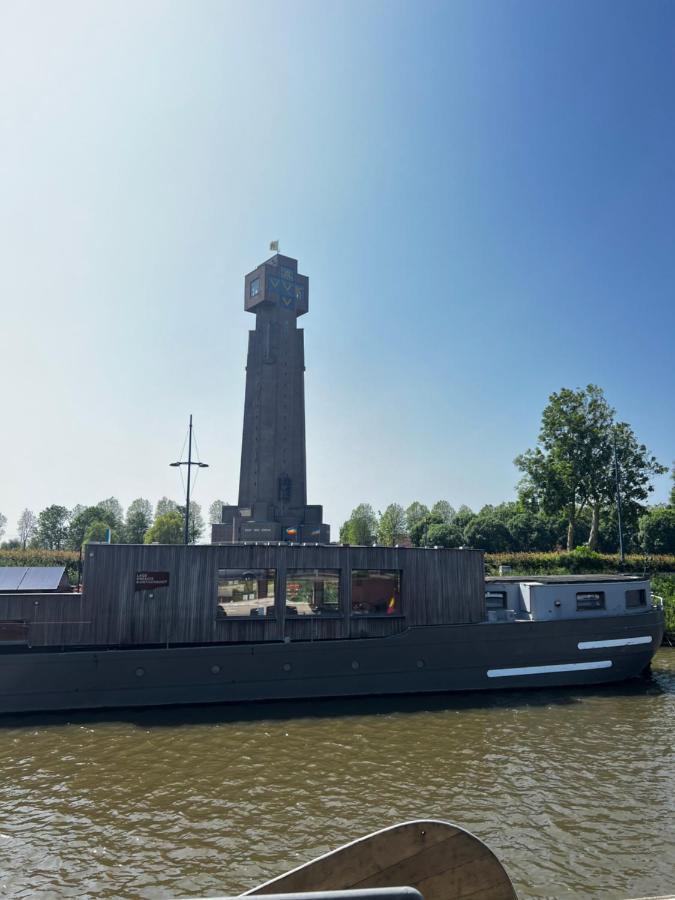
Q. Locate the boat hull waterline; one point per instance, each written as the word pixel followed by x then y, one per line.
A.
pixel 425 659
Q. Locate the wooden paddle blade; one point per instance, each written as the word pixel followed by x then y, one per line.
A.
pixel 440 860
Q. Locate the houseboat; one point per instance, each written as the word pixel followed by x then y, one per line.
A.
pixel 160 625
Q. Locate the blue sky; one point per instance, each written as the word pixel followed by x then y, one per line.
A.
pixel 481 193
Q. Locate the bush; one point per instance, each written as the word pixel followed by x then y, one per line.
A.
pixel 664 586
pixel 657 530
pixel 37 557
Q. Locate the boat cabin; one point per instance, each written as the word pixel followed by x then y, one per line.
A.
pixel 546 597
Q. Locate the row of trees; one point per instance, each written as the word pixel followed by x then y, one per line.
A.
pixel 566 497
pixel 60 528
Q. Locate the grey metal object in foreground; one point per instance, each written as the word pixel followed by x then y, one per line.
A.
pixel 393 893
pixel 438 859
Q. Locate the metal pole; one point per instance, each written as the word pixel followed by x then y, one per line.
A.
pixel 187 499
pixel 618 498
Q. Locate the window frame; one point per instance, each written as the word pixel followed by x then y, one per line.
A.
pixel 270 610
pixel 291 575
pixel 599 595
pixel 398 614
pixel 642 594
pixel 255 283
pixel 502 594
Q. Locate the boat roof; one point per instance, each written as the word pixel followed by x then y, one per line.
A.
pixel 563 579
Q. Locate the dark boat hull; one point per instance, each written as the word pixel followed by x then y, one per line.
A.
pixel 423 659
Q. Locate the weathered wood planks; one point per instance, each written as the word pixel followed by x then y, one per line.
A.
pixel 440 860
pixel 437 587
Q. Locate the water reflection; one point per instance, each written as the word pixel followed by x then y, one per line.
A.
pixel 573 789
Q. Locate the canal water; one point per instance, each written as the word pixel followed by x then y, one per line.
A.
pixel 573 789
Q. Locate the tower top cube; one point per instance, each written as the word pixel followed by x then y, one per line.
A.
pixel 277 284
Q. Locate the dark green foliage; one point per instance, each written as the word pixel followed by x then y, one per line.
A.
pixel 414 513
pixel 444 535
pixel 487 533
pixel 96 532
pixel 657 530
pixel 52 528
pixel 418 532
pixel 444 510
pixel 664 586
pixel 463 516
pixel 573 467
pixel 361 527
pixel 139 519
pixel 166 529
pixel 391 528
pixel 85 518
pixel 196 523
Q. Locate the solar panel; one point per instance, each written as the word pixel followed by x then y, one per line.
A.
pixel 11 577
pixel 43 578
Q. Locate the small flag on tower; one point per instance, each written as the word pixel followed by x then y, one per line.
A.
pixel 274 245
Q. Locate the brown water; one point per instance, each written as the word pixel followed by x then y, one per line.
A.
pixel 573 789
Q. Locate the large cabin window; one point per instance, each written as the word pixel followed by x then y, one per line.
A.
pixel 495 599
pixel 376 592
pixel 313 592
pixel 636 598
pixel 590 600
pixel 246 593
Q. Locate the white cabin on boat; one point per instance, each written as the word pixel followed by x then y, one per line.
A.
pixel 550 597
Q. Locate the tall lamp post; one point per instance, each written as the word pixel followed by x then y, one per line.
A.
pixel 189 463
pixel 618 498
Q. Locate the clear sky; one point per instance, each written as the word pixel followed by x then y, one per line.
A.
pixel 481 193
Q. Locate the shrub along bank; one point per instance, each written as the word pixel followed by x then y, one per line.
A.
pixel 67 558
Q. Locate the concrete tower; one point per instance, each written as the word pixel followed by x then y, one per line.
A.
pixel 273 476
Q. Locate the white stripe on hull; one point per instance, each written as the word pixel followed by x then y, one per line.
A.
pixel 545 670
pixel 615 642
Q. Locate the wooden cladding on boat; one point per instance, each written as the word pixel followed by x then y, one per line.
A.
pixel 184 607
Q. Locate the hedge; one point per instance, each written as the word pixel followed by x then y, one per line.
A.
pixel 67 558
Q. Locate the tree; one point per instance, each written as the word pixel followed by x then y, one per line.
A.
pixel 672 490
pixel 97 532
pixel 52 527
pixel 139 519
pixel 360 527
pixel 463 516
pixel 486 532
pixel 27 527
pixel 419 531
pixel 166 529
pixel 572 447
pixel 11 544
pixel 572 469
pixel 164 506
pixel 414 513
pixel 636 467
pixel 391 527
pixel 114 512
pixel 82 522
pixel 657 530
pixel 196 523
pixel 216 512
pixel 444 535
pixel 444 510
pixel 3 522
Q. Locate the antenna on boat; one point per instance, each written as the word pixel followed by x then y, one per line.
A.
pixel 189 463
